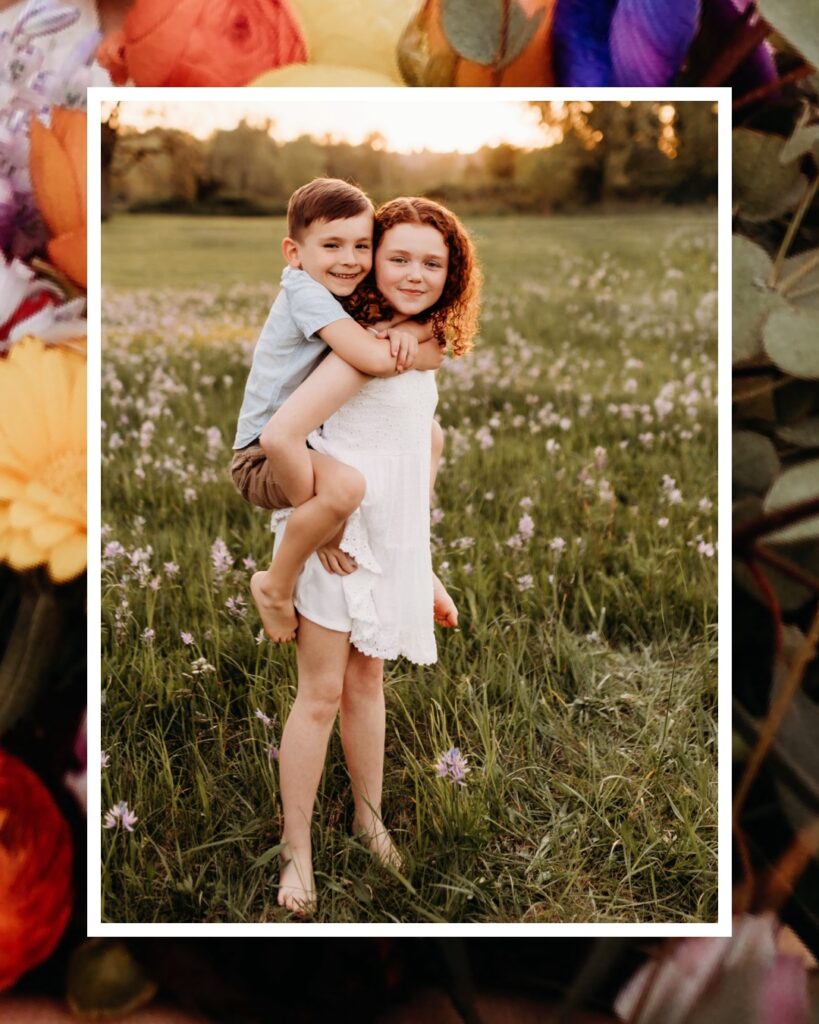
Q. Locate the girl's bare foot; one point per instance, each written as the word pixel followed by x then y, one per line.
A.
pixel 444 611
pixel 297 890
pixel 277 613
pixel 377 840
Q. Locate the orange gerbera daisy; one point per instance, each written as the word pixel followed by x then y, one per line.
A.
pixel 42 459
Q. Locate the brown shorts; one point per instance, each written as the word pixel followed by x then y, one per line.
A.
pixel 252 473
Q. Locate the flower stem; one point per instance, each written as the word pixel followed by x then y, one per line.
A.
pixel 27 655
pixel 755 95
pixel 790 234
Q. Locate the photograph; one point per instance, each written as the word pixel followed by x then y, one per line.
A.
pixel 482 818
pixel 464 368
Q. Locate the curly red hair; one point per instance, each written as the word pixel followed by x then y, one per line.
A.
pixel 454 317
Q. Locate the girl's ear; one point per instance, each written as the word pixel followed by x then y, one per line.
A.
pixel 290 251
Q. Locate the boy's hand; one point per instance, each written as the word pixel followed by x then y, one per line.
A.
pixel 404 347
pixel 431 356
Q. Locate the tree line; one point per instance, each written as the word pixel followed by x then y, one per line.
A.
pixel 607 153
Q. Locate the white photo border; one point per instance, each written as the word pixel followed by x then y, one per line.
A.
pixel 721 96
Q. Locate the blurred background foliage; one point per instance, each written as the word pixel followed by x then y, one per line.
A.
pixel 610 154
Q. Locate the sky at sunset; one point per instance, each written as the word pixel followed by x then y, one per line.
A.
pixel 443 126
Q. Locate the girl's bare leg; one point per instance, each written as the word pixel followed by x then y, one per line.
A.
pixel 444 611
pixel 322 660
pixel 324 491
pixel 362 737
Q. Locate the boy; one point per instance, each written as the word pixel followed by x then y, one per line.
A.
pixel 329 253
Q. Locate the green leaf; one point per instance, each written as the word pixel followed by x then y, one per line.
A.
pixel 268 855
pixel 105 980
pixel 797 484
pixel 790 340
pixel 754 462
pixel 764 188
pixel 805 139
pixel 805 291
pixel 753 300
pixel 803 434
pixel 797 21
pixel 473 28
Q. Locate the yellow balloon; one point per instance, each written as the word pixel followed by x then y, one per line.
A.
pixel 355 33
pixel 322 74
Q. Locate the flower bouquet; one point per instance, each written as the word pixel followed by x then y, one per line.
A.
pixel 42 492
pixel 461 42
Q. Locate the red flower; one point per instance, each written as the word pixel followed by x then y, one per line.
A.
pixel 35 871
pixel 202 42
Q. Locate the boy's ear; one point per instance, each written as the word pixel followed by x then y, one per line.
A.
pixel 290 251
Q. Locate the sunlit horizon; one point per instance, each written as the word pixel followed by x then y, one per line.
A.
pixel 443 127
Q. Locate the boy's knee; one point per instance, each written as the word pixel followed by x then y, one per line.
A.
pixel 437 440
pixel 272 442
pixel 346 491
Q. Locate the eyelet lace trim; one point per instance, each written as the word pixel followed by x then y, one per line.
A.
pixel 367 634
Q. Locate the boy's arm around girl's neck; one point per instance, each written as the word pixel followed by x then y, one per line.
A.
pixel 355 345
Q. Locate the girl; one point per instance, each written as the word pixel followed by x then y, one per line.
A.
pixel 371 598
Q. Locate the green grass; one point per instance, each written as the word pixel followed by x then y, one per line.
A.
pixel 584 698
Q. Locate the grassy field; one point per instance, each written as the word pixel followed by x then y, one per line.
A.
pixel 581 686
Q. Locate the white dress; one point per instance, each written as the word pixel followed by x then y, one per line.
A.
pixel 386 604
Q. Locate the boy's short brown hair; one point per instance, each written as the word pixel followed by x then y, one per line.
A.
pixel 324 199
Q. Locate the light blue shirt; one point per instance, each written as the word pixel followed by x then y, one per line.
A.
pixel 288 349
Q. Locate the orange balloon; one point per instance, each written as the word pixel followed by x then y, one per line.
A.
pixel 57 164
pixel 532 67
pixel 202 42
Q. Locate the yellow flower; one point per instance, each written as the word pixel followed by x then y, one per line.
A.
pixel 42 459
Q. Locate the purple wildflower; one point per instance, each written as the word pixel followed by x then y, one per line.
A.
pixel 120 814
pixel 452 766
pixel 221 559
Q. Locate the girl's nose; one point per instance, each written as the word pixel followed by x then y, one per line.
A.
pixel 414 272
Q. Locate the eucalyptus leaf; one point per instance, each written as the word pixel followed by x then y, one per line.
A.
pixel 805 139
pixel 473 29
pixel 764 187
pixel 105 980
pixel 803 434
pixel 797 484
pixel 790 340
pixel 805 291
pixel 753 300
pixel 798 22
pixel 794 400
pixel 754 462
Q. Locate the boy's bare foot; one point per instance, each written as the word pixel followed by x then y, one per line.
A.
pixel 444 611
pixel 277 614
pixel 377 840
pixel 297 890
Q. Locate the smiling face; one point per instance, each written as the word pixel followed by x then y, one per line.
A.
pixel 336 253
pixel 411 267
